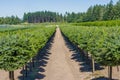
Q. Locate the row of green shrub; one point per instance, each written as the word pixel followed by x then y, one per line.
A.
pixel 99 23
pixel 19 47
pixel 102 43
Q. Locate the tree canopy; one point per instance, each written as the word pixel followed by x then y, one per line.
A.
pixel 97 12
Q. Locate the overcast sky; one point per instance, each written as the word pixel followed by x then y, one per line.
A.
pixel 18 7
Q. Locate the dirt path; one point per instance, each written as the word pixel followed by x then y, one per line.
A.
pixel 60 66
pixel 57 67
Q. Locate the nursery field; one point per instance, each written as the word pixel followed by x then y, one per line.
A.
pixel 59 52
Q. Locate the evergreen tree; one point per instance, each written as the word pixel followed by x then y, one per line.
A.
pixel 109 14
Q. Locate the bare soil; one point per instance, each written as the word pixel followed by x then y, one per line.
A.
pixel 60 65
pixel 61 61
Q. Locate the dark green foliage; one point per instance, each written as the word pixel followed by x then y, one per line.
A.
pixel 96 13
pixel 42 16
pixel 109 12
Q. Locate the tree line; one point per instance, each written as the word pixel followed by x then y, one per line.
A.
pixel 97 12
pixel 42 16
pixel 10 20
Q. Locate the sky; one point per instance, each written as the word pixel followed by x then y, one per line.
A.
pixel 18 7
